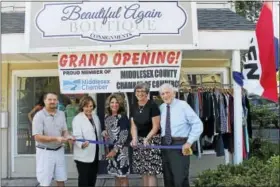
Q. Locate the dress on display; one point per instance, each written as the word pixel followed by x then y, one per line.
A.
pixel 71 111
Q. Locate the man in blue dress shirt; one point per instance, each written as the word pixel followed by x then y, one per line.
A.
pixel 180 125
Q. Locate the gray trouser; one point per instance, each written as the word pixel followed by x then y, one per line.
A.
pixel 175 166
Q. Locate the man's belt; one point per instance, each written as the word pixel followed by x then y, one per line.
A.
pixel 49 149
pixel 178 138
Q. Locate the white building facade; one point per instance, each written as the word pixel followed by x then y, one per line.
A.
pixel 210 41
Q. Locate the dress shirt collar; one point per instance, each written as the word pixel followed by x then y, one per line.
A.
pixel 172 102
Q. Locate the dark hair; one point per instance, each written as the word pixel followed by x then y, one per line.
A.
pixel 142 85
pixel 85 100
pixel 46 95
pixel 121 102
pixel 41 100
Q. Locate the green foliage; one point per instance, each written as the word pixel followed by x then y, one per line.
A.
pixel 252 172
pixel 263 149
pixel 262 116
pixel 262 169
pixel 248 9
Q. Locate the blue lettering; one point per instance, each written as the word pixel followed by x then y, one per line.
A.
pixel 138 15
pixel 73 13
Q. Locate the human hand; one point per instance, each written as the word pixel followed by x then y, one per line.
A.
pixel 186 149
pixel 85 144
pixel 146 142
pixel 134 142
pixel 111 154
pixel 105 134
pixel 71 139
pixel 61 139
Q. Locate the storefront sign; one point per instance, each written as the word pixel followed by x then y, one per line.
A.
pixel 87 24
pixel 117 71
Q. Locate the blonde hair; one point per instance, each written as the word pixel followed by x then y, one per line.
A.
pixel 120 100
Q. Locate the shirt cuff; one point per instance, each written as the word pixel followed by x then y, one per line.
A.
pixel 190 141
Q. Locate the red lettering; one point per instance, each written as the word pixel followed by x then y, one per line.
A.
pixel 103 59
pixel 117 58
pixel 126 58
pixel 63 60
pixel 73 59
pixel 135 58
pixel 145 58
pixel 177 57
pixel 171 57
pixel 153 57
pixel 161 57
pixel 83 60
pixel 92 60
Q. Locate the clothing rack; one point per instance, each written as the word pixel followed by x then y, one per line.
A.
pixel 213 86
pixel 203 84
pixel 219 95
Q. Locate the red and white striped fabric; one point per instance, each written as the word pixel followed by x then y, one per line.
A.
pixel 259 70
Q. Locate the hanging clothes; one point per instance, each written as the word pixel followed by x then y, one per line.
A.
pixel 216 111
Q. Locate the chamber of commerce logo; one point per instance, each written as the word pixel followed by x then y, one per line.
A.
pixel 72 84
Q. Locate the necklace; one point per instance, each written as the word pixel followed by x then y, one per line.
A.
pixel 141 108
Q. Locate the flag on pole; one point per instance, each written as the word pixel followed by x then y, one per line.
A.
pixel 259 68
pixel 276 32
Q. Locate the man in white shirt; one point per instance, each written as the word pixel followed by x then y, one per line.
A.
pixel 180 125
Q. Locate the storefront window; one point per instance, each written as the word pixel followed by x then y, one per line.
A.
pixel 29 97
pixel 203 79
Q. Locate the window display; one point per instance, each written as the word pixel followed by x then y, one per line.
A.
pixel 30 91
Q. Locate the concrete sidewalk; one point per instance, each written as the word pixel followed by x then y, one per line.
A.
pixel 102 181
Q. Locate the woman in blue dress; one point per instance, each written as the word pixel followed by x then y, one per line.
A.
pixel 116 132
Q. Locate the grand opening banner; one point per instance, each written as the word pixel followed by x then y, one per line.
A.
pixel 106 72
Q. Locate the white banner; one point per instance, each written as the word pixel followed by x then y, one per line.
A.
pixel 117 71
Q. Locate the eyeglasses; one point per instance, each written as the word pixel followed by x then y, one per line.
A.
pixel 140 91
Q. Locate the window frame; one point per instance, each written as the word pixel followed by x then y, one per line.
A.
pixel 14 94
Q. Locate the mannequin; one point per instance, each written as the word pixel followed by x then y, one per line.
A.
pixel 71 111
pixel 60 105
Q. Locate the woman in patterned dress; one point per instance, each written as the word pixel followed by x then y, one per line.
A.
pixel 117 130
pixel 145 125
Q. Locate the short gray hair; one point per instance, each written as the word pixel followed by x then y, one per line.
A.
pixel 166 86
pixel 142 85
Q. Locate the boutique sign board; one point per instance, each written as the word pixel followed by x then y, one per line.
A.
pixel 96 25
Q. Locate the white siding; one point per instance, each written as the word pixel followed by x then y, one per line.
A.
pixel 20 6
pixel 12 6
pixel 215 5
